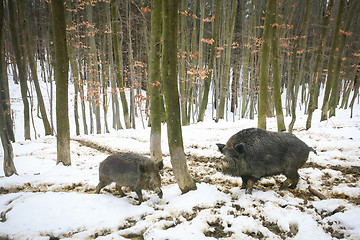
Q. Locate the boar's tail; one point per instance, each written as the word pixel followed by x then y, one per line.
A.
pixel 312 150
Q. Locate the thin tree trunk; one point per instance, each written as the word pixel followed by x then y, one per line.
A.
pixel 356 89
pixel 226 78
pixel 117 52
pixel 132 72
pixel 4 87
pixel 20 62
pixel 211 63
pixel 9 166
pixel 315 84
pixel 169 74
pixel 264 65
pixel 155 81
pixel 114 95
pixel 74 68
pixel 295 82
pixel 83 100
pixel 24 29
pixel 201 53
pixel 331 63
pixel 276 73
pixel 336 81
pixel 182 59
pixel 93 67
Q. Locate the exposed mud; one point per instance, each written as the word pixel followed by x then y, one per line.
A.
pixel 203 170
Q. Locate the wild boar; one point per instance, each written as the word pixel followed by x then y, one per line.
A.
pixel 254 153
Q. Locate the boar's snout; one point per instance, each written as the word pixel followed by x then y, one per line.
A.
pixel 159 192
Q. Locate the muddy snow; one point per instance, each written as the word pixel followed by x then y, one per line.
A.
pixel 49 201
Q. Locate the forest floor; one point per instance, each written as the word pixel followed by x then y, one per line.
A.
pixel 48 201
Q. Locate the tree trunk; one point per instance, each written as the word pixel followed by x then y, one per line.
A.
pixel 276 72
pixel 29 52
pixel 105 67
pixel 333 50
pixel 132 72
pixel 169 74
pixel 356 89
pixel 226 78
pixel 264 64
pixel 4 86
pixel 117 52
pixel 114 95
pixel 211 63
pixel 20 62
pixel 61 79
pixel 155 81
pixel 294 81
pixel 93 67
pixel 315 84
pixel 336 81
pixel 182 61
pixel 74 67
pixel 9 167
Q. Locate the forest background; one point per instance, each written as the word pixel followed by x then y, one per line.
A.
pixel 255 57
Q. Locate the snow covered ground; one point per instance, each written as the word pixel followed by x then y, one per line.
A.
pixel 49 201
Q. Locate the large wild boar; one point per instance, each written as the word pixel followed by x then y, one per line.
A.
pixel 254 153
pixel 130 170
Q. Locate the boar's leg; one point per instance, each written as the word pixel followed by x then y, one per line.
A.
pixel 249 186
pixel 139 193
pixel 244 182
pixel 100 186
pixel 291 181
pixel 118 188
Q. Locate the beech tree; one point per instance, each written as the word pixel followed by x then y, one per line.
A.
pixel 155 81
pixel 264 64
pixel 61 79
pixel 5 128
pixel 169 76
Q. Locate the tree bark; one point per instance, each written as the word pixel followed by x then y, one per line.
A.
pixel 264 65
pixel 294 81
pixel 117 52
pixel 61 79
pixel 29 52
pixel 169 74
pixel 93 67
pixel 132 71
pixel 20 62
pixel 276 72
pixel 315 84
pixel 336 81
pixel 333 50
pixel 226 78
pixel 155 81
pixel 207 81
pixel 9 166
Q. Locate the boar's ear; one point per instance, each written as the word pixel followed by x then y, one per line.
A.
pixel 240 148
pixel 160 165
pixel 142 168
pixel 220 146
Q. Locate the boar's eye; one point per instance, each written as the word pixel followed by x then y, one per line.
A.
pixel 240 148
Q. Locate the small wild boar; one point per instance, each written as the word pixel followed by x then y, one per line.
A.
pixel 254 153
pixel 130 170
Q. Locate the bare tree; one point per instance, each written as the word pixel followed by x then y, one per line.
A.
pixel 169 75
pixel 61 79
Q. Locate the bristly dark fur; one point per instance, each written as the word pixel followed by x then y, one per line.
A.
pixel 254 153
pixel 130 170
